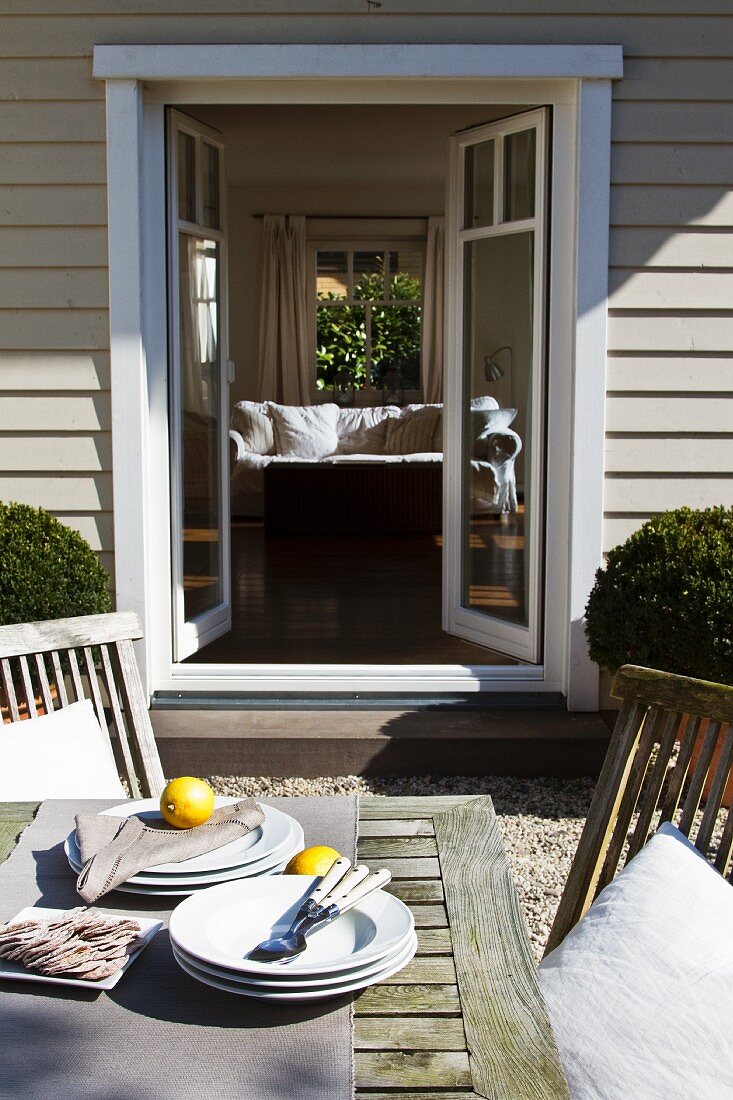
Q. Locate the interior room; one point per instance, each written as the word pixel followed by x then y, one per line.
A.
pixel 337 542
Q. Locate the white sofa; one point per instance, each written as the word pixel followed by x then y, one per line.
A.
pixel 265 432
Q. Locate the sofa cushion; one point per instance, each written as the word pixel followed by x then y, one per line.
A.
pixel 251 420
pixel 640 992
pixel 305 431
pixel 364 431
pixel 412 432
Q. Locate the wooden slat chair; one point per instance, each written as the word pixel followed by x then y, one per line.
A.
pixel 670 759
pixel 49 665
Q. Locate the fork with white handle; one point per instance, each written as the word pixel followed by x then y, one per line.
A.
pixel 339 890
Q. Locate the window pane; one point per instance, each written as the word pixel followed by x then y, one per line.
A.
pixel 186 177
pixel 369 276
pixel 519 175
pixel 200 396
pixel 479 185
pixel 405 274
pixel 396 343
pixel 332 275
pixel 340 344
pixel 497 362
pixel 211 185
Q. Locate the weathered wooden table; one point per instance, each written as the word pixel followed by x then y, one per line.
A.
pixel 466 1017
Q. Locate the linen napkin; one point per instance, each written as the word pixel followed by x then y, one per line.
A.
pixel 113 849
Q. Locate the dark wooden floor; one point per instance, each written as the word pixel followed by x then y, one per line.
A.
pixel 356 599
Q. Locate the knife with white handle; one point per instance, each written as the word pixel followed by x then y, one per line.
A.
pixel 346 885
pixel 337 872
pixel 367 886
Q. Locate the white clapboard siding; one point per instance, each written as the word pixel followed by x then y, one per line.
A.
pixel 69 492
pixel 72 34
pixel 54 412
pixel 51 205
pixel 672 206
pixel 32 372
pixel 629 289
pixel 617 528
pixel 60 121
pixel 666 454
pixel 97 527
pixel 40 452
pixel 654 493
pixel 54 288
pixel 54 328
pixel 648 331
pixel 655 414
pixel 53 246
pixel 35 163
pixel 664 247
pixel 49 78
pixel 672 79
pixel 671 122
pixel 670 373
pixel 672 164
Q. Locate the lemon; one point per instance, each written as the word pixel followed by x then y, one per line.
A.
pixel 312 861
pixel 187 802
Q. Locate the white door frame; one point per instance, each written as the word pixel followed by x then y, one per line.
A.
pixel 576 82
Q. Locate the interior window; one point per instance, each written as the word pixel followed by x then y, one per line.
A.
pixel 368 317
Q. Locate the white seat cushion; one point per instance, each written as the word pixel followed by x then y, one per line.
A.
pixel 640 993
pixel 305 431
pixel 61 755
pixel 364 431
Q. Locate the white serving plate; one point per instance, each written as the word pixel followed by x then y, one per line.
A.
pixel 321 993
pixel 221 925
pixel 14 972
pixel 280 979
pixel 260 842
pixel 175 883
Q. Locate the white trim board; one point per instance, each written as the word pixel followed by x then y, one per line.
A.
pixel 576 82
pixel 380 62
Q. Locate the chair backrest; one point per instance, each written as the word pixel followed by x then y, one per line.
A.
pixel 49 665
pixel 670 759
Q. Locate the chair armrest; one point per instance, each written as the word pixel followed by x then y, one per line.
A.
pixel 499 447
pixel 238 448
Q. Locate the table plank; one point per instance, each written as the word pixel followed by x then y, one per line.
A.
pixel 419 868
pixel 418 826
pixel 430 916
pixel 409 1033
pixel 398 847
pixel 416 891
pixel 400 1069
pixel 408 1000
pixel 425 970
pixel 393 807
pixel 434 941
pixel 513 1052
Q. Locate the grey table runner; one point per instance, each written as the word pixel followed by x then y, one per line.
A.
pixel 160 1034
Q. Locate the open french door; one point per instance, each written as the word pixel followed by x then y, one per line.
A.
pixel 200 372
pixel 495 346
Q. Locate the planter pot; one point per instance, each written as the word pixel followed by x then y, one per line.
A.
pixel 728 793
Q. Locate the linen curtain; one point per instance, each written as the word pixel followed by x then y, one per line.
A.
pixel 199 334
pixel 284 360
pixel 433 312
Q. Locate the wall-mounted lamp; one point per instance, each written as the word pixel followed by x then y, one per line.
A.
pixel 493 371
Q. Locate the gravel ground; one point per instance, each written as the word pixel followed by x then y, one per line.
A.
pixel 541 821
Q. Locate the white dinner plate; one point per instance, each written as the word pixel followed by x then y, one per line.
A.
pixel 221 925
pixel 311 994
pixel 280 979
pixel 260 842
pixel 14 972
pixel 277 858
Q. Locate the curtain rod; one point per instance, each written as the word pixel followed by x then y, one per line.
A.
pixel 357 217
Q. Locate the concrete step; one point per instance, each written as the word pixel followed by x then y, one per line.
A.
pixel 414 741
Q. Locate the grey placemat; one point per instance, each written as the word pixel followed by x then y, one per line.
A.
pixel 160 1033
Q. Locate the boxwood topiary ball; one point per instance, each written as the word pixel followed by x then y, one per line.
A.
pixel 665 597
pixel 47 570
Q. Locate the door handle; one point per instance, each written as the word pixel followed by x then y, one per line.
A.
pixel 231 371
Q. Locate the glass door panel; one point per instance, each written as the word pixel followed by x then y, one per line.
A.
pixel 495 387
pixel 199 392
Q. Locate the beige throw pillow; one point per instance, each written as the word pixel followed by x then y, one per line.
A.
pixel 305 431
pixel 412 433
pixel 250 419
pixel 364 431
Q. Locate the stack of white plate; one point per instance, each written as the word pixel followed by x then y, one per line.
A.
pixel 265 850
pixel 212 934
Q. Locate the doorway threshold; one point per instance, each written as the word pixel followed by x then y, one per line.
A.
pixel 343 700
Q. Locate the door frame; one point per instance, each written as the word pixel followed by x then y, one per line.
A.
pixel 576 82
